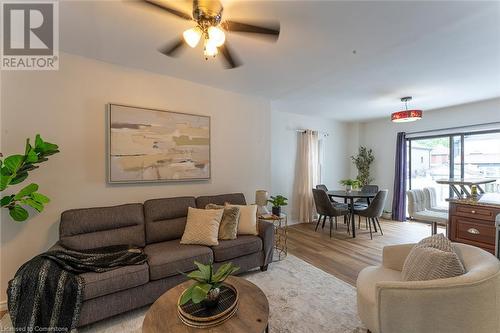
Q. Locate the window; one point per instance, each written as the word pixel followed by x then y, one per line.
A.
pixel 461 155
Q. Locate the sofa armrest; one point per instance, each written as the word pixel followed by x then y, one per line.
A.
pixel 266 232
pixel 394 256
pixel 55 247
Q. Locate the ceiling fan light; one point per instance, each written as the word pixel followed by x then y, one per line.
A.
pixel 216 35
pixel 192 36
pixel 210 49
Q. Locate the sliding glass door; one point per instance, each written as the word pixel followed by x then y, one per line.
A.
pixel 482 158
pixel 459 155
pixel 430 160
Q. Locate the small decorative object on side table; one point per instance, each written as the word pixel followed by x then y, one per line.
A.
pixel 280 223
pixel 278 201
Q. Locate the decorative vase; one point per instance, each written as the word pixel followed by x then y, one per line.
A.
pixel 348 188
pixel 261 197
pixel 212 298
pixel 277 210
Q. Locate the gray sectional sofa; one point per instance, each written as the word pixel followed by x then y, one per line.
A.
pixel 157 226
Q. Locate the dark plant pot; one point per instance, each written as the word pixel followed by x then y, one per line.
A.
pixel 212 298
pixel 277 210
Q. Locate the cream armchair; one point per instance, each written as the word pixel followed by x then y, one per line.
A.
pixel 467 303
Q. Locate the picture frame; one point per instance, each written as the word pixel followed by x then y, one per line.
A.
pixel 146 145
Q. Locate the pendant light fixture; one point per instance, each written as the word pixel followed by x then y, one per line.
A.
pixel 406 115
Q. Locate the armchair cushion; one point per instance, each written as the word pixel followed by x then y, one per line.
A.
pixel 432 258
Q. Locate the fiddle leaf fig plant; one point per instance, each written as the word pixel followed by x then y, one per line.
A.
pixel 14 169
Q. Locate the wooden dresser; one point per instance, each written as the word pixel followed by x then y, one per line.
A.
pixel 473 222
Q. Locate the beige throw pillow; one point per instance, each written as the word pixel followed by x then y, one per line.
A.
pixel 247 224
pixel 228 227
pixel 432 258
pixel 202 227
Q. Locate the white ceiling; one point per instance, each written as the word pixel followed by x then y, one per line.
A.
pixel 442 53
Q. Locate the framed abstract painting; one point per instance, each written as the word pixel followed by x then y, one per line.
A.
pixel 148 145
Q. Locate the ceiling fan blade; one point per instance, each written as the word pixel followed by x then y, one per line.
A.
pixel 273 30
pixel 232 60
pixel 175 12
pixel 173 48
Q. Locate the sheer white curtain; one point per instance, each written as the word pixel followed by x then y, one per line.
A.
pixel 307 175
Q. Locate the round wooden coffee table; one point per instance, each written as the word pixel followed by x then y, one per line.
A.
pixel 252 314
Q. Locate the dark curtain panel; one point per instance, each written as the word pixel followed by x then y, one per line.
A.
pixel 399 198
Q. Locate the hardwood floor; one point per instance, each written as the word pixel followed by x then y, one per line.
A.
pixel 343 256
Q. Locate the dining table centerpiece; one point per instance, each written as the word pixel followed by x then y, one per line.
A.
pixel 349 184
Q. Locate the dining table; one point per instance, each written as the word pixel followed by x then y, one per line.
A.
pixel 351 196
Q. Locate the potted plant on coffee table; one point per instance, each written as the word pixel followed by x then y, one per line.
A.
pixel 277 202
pixel 206 289
pixel 349 184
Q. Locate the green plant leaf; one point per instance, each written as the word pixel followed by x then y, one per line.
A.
pixel 40 198
pixel 204 269
pixel 31 156
pixel 13 163
pixel 33 204
pixel 224 271
pixel 200 292
pixel 186 296
pixel 46 148
pixel 18 178
pixel 4 181
pixel 26 191
pixel 6 200
pixel 18 213
pixel 198 276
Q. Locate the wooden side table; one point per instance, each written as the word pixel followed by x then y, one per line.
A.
pixel 252 315
pixel 280 233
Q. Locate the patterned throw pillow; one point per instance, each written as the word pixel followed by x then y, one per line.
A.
pixel 202 227
pixel 432 258
pixel 228 227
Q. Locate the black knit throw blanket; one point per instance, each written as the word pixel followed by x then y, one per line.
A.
pixel 46 293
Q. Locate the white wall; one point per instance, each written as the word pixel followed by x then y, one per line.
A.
pixel 284 139
pixel 380 135
pixel 67 107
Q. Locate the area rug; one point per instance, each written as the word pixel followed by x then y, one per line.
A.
pixel 302 298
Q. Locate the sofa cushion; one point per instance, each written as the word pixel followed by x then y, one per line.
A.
pixel 234 248
pixel 202 226
pixel 431 216
pixel 228 227
pixel 88 228
pixel 166 218
pixel 121 278
pixel 169 258
pixel 222 199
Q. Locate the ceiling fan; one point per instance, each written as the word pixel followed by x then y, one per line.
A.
pixel 207 15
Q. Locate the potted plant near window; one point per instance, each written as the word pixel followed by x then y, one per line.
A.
pixel 277 202
pixel 206 289
pixel 349 184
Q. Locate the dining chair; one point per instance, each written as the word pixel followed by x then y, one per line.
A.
pixel 373 211
pixel 326 209
pixel 336 203
pixel 364 201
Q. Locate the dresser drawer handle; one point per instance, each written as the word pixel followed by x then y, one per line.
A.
pixel 473 231
pixel 473 211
